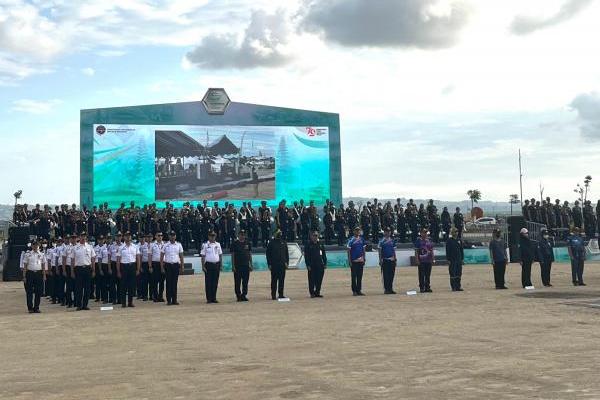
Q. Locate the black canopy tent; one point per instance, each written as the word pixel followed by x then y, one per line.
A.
pixel 223 146
pixel 176 144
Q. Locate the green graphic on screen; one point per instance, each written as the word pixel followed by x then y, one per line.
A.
pixel 176 163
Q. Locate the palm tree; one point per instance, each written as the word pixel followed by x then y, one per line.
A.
pixel 514 199
pixel 474 196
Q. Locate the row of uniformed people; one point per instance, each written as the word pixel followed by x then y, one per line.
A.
pixel 120 262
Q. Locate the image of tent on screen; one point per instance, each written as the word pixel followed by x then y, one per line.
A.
pixel 159 163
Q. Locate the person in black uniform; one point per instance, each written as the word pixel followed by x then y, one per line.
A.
pixel 340 225
pixel 241 261
pixel 446 223
pixel 277 260
pixel 545 257
pixel 459 222
pixel 527 249
pixel 455 256
pixel 316 263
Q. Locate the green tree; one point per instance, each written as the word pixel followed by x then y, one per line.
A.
pixel 474 196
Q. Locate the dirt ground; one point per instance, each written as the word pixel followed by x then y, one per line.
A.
pixel 478 344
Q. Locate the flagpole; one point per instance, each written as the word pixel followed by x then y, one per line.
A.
pixel 520 178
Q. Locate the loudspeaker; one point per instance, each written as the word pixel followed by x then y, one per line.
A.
pixel 515 224
pixel 18 235
pixel 12 271
pixel 14 251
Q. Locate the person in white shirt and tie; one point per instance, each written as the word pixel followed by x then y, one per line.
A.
pixel 34 275
pixel 84 257
pixel 157 272
pixel 171 261
pixel 211 254
pixel 128 267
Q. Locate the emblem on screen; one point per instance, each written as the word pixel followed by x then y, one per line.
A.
pixel 215 101
pixel 310 131
pixel 100 130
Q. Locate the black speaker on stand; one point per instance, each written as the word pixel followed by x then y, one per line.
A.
pixel 18 237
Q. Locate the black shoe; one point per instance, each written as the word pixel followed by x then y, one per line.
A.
pixel 319 295
pixel 501 287
pixel 312 295
pixel 239 299
pixel 215 301
pixel 86 308
pixel 582 284
pixel 131 305
pixel 428 290
pixel 36 311
pixel 575 283
pixel 244 298
pixel 354 294
pixel 78 309
pixel 30 311
pixel 360 294
pixel 62 303
pixel 174 303
pixel 161 300
pixel 460 290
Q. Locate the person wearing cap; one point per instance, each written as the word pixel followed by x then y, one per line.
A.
pixel 84 258
pixel 34 275
pixel 241 264
pixel 455 256
pixel 387 260
pixel 277 261
pixel 315 259
pixel 527 249
pixel 59 276
pixel 356 258
pixel 211 255
pixel 103 276
pixel 68 272
pixel 157 272
pixel 145 271
pixel 171 261
pixel 499 258
pixel 128 267
pixel 576 248
pixel 545 255
pixel 425 257
pixel 114 287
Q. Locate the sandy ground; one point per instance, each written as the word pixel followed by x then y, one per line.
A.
pixel 477 344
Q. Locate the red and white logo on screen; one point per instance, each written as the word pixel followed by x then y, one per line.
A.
pixel 312 132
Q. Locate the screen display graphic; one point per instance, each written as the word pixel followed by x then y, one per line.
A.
pixel 159 163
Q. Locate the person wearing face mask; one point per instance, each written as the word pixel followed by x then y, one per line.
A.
pixel 545 257
pixel 527 248
pixel 499 258
pixel 455 256
pixel 576 248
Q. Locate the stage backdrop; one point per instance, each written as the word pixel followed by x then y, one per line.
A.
pixel 178 153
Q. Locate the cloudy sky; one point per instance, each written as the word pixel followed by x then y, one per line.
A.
pixel 435 97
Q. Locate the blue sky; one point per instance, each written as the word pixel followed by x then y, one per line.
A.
pixel 435 96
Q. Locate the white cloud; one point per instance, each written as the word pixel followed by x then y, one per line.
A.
pixel 35 106
pixel 88 71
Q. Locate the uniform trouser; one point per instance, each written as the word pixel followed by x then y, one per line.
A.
pixel 545 267
pixel 241 275
pixel 315 279
pixel 115 284
pixel 388 270
pixel 172 277
pixel 105 281
pixel 211 280
pixel 499 270
pixel 34 286
pixel 157 286
pixel 98 281
pixel 356 273
pixel 526 273
pixel 577 270
pixel 59 285
pixel 341 236
pixel 424 276
pixel 455 271
pixel 128 272
pixel 69 287
pixel 49 285
pixel 83 285
pixel 277 281
pixel 144 281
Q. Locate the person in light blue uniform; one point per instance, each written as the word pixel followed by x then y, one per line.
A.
pixel 387 261
pixel 576 248
pixel 356 259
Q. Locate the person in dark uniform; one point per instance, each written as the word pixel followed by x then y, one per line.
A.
pixel 401 223
pixel 212 264
pixel 455 256
pixel 316 263
pixel 426 258
pixel 577 215
pixel 387 260
pixel 576 248
pixel 499 258
pixel 545 257
pixel 525 211
pixel 241 262
pixel 356 259
pixel 459 222
pixel 340 225
pixel 277 260
pixel 328 221
pixel 446 223
pixel 527 249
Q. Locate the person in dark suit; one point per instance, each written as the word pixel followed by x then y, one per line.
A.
pixel 455 256
pixel 277 260
pixel 545 257
pixel 528 249
pixel 316 263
